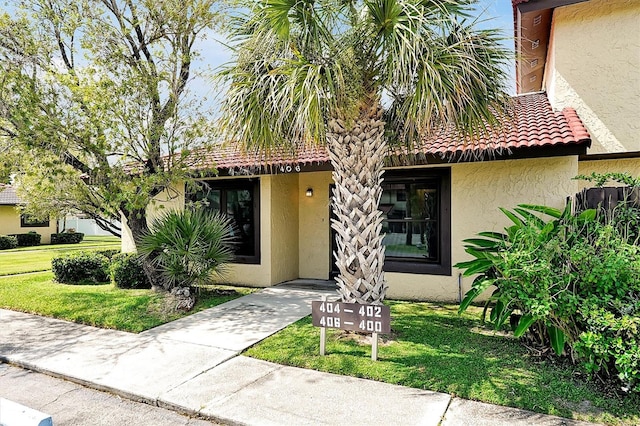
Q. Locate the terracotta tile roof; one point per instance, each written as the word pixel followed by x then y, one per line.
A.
pixel 230 157
pixel 534 124
pixel 8 195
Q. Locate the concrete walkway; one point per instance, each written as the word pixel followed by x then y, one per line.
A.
pixel 193 366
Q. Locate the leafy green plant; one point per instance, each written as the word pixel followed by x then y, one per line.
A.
pixel 80 268
pixel 29 239
pixel 8 242
pixel 67 238
pixel 126 271
pixel 562 279
pixel 188 247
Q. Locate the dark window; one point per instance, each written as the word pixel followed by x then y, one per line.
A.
pixel 27 221
pixel 240 200
pixel 416 205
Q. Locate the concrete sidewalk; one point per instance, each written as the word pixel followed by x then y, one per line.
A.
pixel 193 366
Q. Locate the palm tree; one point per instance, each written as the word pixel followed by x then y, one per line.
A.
pixel 356 74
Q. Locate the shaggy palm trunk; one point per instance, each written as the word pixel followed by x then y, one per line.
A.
pixel 357 155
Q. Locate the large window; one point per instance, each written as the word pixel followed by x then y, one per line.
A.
pixel 417 221
pixel 27 221
pixel 239 200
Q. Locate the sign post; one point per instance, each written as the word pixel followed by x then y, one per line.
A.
pixel 363 318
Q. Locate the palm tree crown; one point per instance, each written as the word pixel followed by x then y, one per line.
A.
pixel 300 63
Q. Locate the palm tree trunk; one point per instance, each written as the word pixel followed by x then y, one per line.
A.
pixel 357 155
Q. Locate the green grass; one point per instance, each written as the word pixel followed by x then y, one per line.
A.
pixel 100 305
pixel 431 347
pixel 38 258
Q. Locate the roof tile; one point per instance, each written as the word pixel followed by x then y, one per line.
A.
pixel 532 123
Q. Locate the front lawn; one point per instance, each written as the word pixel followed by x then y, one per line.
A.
pixel 38 258
pixel 101 305
pixel 431 347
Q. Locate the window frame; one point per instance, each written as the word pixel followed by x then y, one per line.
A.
pixel 252 184
pixel 442 175
pixel 24 222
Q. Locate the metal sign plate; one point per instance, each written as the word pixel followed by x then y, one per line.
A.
pixel 363 318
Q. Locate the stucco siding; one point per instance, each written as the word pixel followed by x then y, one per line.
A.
pixel 314 252
pixel 593 67
pixel 478 190
pixel 625 165
pixel 284 227
pixel 10 224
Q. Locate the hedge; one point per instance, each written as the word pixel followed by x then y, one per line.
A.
pixel 8 242
pixel 126 271
pixel 83 267
pixel 29 239
pixel 67 238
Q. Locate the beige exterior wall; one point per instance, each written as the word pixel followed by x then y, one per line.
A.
pixel 594 67
pixel 294 234
pixel 313 234
pixel 625 165
pixel 284 227
pixel 477 191
pixel 10 224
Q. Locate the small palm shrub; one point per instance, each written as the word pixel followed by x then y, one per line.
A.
pixel 567 283
pixel 188 247
pixel 84 267
pixel 8 242
pixel 126 271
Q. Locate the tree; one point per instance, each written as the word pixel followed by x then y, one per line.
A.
pixel 354 75
pixel 95 110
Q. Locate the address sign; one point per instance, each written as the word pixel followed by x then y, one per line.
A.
pixel 351 316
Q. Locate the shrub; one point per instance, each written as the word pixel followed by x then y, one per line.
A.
pixel 109 254
pixel 188 247
pixel 67 238
pixel 8 242
pixel 568 280
pixel 126 271
pixel 29 239
pixel 80 268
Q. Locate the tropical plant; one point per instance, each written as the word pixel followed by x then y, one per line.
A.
pixel 353 75
pixel 565 282
pixel 188 247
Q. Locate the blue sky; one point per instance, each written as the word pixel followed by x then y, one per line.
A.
pixel 494 14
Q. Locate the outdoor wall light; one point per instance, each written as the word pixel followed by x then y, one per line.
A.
pixel 309 192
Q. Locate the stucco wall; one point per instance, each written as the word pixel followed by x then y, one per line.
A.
pixel 593 66
pixel 478 190
pixel 10 224
pixel 284 227
pixel 314 225
pixel 627 165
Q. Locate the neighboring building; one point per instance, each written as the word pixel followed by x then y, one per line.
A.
pixel 586 55
pixel 282 204
pixel 13 222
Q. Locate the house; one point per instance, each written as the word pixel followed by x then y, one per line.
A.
pixel 281 204
pixel 586 55
pixel 13 222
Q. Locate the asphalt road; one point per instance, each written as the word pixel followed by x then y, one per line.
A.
pixel 70 404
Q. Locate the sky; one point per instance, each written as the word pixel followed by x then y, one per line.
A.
pixel 494 14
